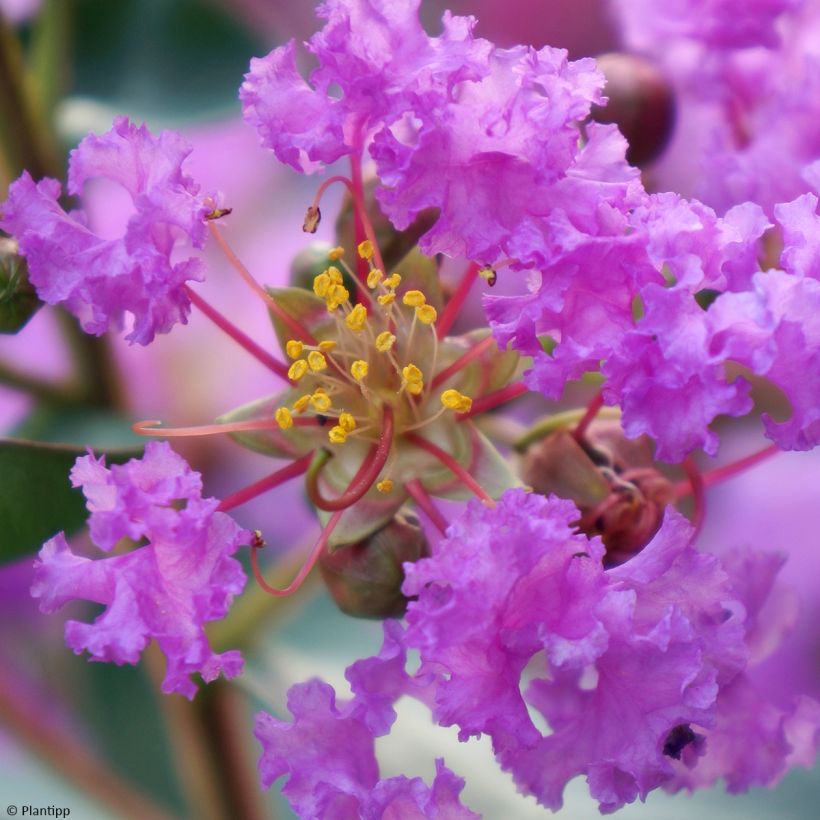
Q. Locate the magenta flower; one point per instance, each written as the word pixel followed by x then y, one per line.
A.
pixel 100 279
pixel 328 751
pixel 165 590
pixel 635 656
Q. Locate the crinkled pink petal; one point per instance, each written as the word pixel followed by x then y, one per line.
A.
pixel 166 590
pixel 97 279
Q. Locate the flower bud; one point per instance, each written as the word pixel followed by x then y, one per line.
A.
pixel 611 479
pixel 641 104
pixel 18 300
pixel 365 578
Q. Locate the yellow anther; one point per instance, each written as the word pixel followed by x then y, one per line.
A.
pixel 414 298
pixel 413 379
pixel 387 299
pixel 384 341
pixel 385 486
pixel 294 349
pixel 359 369
pixel 392 281
pixel 337 435
pixel 356 319
pixel 321 283
pixel 336 295
pixel 366 249
pixel 374 277
pixel 297 370
pixel 300 405
pixel 320 401
pixel 453 400
pixel 335 254
pixel 316 361
pixel 335 275
pixel 426 314
pixel 411 373
pixel 347 422
pixel 283 418
pixel 327 345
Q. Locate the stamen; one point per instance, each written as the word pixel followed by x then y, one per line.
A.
pixel 320 400
pixel 356 319
pixel 416 491
pixel 448 461
pixel 362 223
pixel 237 335
pixel 296 327
pixel 385 486
pixel 452 308
pixel 294 348
pixel 297 370
pixel 374 277
pixel 337 435
pixel 462 361
pixel 412 380
pixel 453 400
pixel 712 477
pixel 359 369
pixel 283 418
pixel 316 361
pixel 495 399
pixel 291 470
pixel 336 254
pixel 363 480
pixel 426 314
pixel 150 427
pixel 384 341
pixel 366 249
pixel 596 403
pixel 306 567
pixel 414 298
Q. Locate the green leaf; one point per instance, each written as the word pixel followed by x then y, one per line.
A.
pixel 36 498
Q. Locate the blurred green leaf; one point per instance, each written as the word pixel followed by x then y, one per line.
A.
pixel 80 426
pixel 36 498
pixel 167 58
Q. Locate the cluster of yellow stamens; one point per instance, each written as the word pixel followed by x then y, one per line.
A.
pixel 365 342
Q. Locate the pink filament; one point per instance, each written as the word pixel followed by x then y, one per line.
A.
pixel 451 464
pixel 451 309
pixel 417 492
pixel 150 427
pixel 242 339
pixel 494 399
pixel 593 407
pixel 462 361
pixel 291 470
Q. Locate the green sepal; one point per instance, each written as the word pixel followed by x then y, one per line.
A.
pixel 367 515
pixel 36 498
pixel 304 306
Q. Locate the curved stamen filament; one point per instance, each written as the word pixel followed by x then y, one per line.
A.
pixel 326 184
pixel 451 309
pixel 151 427
pixel 362 220
pixel 698 493
pixel 709 479
pixel 364 479
pixel 306 567
pixel 494 399
pixel 417 492
pixel 296 327
pixel 242 339
pixel 462 361
pixel 291 470
pixel 595 404
pixel 451 464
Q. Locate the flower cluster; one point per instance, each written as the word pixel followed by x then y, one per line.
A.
pixel 638 650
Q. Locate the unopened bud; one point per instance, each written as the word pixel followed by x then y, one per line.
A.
pixel 18 299
pixel 641 104
pixel 611 479
pixel 365 578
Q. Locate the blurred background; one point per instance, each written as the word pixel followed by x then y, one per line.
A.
pixel 102 740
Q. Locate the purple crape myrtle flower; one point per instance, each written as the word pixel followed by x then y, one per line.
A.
pixel 661 254
pixel 755 740
pixel 489 137
pixel 327 750
pixel 99 279
pixel 167 589
pixel 381 60
pixel 626 665
pixel 745 79
pixel 714 23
